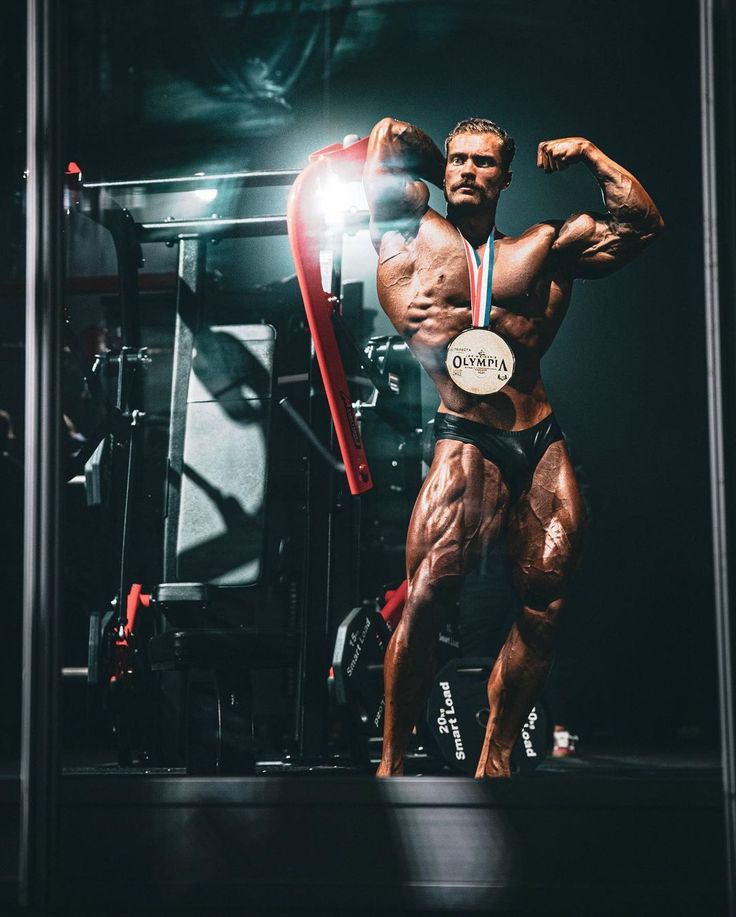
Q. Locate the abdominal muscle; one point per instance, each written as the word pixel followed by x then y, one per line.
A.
pixel 509 409
pixel 428 327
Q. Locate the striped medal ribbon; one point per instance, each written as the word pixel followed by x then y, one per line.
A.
pixel 480 361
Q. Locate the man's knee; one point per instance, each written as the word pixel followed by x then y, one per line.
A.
pixel 540 582
pixel 430 597
pixel 542 602
pixel 538 596
pixel 439 573
pixel 427 592
pixel 539 625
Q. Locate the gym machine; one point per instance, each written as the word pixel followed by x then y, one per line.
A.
pixel 181 651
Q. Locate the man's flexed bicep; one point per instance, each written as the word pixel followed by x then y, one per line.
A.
pixel 596 244
pixel 399 158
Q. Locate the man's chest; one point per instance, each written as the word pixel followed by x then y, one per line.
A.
pixel 437 279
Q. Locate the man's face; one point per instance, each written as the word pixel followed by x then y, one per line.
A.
pixel 474 176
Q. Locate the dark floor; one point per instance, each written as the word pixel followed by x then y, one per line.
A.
pixel 603 760
pixel 616 831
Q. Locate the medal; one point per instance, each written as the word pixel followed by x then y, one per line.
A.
pixel 480 361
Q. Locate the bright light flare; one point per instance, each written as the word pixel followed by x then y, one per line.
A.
pixel 338 198
pixel 206 194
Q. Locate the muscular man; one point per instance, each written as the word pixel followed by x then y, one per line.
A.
pixel 501 469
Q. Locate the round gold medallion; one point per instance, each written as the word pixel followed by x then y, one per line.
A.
pixel 480 361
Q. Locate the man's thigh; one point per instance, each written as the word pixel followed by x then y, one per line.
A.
pixel 546 524
pixel 460 511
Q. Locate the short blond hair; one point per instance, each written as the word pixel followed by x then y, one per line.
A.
pixel 484 126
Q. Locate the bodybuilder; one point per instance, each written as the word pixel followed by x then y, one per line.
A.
pixel 501 469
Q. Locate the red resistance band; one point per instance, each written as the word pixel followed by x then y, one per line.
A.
pixel 136 600
pixel 305 230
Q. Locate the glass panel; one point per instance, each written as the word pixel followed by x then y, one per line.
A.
pixel 225 490
pixel 12 387
pixel 12 430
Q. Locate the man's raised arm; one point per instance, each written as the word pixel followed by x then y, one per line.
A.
pixel 400 158
pixel 596 244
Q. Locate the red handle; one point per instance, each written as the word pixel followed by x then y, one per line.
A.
pixel 304 237
pixel 394 607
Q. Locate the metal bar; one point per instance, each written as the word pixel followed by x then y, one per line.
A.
pixel 123 229
pixel 75 671
pixel 268 179
pixel 189 308
pixel 334 243
pixel 312 698
pixel 306 431
pixel 235 228
pixel 39 769
pixel 715 117
pixel 374 376
pixel 329 516
pixel 134 442
pixel 242 228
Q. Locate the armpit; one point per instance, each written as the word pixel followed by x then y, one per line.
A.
pixel 392 244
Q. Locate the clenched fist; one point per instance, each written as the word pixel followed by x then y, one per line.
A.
pixel 557 155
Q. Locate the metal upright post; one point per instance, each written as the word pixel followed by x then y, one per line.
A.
pixel 717 48
pixel 312 699
pixel 313 660
pixel 190 281
pixel 39 772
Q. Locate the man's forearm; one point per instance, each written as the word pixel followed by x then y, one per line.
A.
pixel 408 148
pixel 625 198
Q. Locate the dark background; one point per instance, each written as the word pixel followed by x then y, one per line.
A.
pixel 171 88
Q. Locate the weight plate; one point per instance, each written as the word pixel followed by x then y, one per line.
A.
pixel 357 665
pixel 457 714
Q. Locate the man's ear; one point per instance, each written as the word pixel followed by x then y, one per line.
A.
pixel 508 179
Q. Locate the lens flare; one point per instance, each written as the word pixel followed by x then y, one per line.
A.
pixel 337 199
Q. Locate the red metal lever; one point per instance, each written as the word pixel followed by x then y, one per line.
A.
pixel 305 230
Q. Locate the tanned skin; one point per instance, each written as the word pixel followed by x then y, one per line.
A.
pixel 464 505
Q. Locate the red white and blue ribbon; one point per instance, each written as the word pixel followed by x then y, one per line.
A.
pixel 481 281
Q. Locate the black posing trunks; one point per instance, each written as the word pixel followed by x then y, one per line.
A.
pixel 515 452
